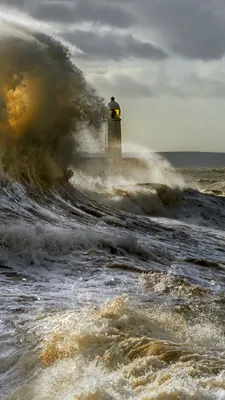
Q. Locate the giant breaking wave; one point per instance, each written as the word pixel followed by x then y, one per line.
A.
pixel 44 101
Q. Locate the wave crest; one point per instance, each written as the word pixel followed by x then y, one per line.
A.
pixel 44 99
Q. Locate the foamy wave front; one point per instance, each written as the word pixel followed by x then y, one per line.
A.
pixel 122 352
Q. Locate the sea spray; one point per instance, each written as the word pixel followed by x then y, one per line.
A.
pixel 44 99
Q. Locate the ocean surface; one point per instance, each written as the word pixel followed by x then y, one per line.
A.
pixel 120 298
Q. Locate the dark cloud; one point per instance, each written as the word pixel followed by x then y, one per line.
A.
pixel 113 46
pixel 14 3
pixel 53 12
pixel 193 29
pixel 103 13
pixel 83 11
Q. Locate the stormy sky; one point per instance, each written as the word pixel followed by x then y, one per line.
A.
pixel 163 60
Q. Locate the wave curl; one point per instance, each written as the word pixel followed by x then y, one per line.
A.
pixel 44 100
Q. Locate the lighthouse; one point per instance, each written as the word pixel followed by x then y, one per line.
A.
pixel 114 131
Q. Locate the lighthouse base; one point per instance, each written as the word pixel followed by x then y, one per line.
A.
pixel 114 140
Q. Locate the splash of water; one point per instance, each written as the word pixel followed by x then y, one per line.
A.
pixel 44 98
pixel 123 352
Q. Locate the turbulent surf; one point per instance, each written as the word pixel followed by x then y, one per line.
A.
pixel 110 288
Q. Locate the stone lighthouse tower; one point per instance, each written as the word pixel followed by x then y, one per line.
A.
pixel 114 131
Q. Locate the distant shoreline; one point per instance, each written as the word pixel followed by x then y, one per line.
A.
pixel 187 159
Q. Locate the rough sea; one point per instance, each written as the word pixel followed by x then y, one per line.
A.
pixel 111 289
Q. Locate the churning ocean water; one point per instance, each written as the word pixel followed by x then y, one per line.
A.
pixel 111 289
